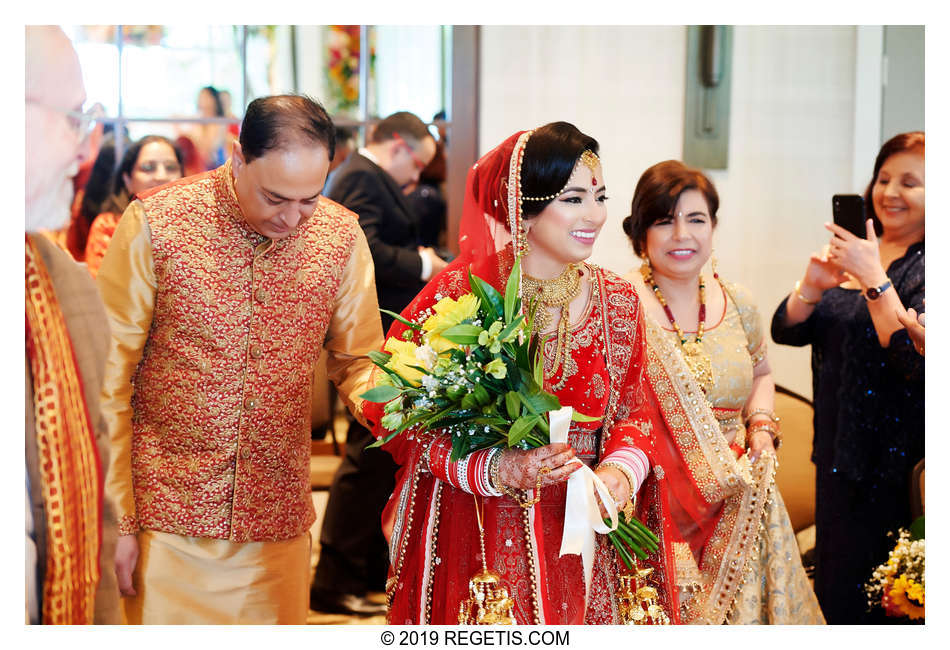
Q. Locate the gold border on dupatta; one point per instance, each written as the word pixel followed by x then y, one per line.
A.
pixel 686 411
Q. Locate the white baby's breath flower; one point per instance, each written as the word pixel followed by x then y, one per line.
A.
pixel 426 356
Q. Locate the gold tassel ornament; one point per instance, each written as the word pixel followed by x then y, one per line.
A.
pixel 488 602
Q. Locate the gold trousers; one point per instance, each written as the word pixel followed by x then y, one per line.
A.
pixel 196 580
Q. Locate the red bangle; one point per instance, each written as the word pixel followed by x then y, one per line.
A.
pixel 737 449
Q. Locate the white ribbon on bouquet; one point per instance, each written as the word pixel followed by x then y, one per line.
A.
pixel 582 518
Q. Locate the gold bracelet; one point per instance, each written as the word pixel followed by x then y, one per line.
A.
pixel 798 292
pixel 525 503
pixel 493 467
pixel 772 430
pixel 623 469
pixel 762 411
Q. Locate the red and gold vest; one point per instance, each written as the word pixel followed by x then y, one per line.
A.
pixel 221 424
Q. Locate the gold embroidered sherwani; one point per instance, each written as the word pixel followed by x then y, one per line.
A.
pixel 215 331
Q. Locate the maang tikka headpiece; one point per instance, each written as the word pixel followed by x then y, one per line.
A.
pixel 589 159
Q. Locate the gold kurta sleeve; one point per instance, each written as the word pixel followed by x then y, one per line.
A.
pixel 355 327
pixel 127 283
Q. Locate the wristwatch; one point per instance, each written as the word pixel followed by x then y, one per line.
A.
pixel 873 293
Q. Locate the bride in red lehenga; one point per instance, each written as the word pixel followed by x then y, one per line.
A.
pixel 540 193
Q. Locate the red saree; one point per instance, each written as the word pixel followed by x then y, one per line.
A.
pixel 432 526
pixel 434 547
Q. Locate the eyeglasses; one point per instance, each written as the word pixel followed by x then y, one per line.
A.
pixel 415 159
pixel 82 123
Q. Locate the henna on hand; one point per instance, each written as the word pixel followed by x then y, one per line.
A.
pixel 520 468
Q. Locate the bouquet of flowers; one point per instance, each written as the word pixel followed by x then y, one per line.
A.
pixel 473 369
pixel 898 585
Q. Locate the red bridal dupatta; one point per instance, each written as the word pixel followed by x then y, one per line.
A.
pixel 432 526
pixel 733 553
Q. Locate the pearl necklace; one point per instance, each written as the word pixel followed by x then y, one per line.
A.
pixel 695 356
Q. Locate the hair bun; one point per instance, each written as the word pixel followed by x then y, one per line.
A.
pixel 628 225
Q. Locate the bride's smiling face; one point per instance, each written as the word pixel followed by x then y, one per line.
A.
pixel 566 229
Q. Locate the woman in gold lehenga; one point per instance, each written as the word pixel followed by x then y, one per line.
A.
pixel 712 489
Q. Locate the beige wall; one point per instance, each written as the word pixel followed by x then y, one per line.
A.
pixel 791 144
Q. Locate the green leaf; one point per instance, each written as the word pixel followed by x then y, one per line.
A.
pixel 528 384
pixel 463 334
pixel 469 401
pixel 381 394
pixel 577 416
pixel 481 395
pixel 505 333
pixel 541 402
pixel 511 290
pixel 513 404
pixel 402 320
pixel 538 368
pixel 917 528
pixel 521 428
pixel 396 377
pixel 490 299
pixel 379 358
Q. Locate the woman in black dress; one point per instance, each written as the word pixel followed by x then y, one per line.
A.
pixel 868 379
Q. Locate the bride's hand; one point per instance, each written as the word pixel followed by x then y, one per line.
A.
pixel 616 483
pixel 519 468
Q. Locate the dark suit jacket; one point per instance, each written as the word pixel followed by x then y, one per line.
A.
pixel 88 328
pixel 390 226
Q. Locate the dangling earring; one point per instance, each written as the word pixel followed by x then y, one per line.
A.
pixel 525 247
pixel 715 265
pixel 646 270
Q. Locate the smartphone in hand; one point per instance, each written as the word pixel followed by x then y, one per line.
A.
pixel 848 211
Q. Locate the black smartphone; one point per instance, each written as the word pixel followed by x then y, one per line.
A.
pixel 848 210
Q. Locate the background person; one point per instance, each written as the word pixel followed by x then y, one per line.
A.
pixel 370 182
pixel 868 380
pixel 152 161
pixel 70 526
pixel 707 337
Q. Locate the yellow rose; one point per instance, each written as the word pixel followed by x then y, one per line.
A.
pixel 448 313
pixel 404 355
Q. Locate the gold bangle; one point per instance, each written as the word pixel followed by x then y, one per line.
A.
pixel 493 468
pixel 798 292
pixel 623 469
pixel 773 431
pixel 769 413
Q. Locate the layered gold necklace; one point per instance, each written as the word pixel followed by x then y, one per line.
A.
pixel 695 356
pixel 557 292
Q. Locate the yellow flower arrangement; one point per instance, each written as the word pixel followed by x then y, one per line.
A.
pixel 901 593
pixel 898 585
pixel 403 358
pixel 473 372
pixel 449 313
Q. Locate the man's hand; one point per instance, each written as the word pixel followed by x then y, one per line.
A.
pixel 437 262
pixel 126 557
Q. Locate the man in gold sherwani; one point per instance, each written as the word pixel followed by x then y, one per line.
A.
pixel 222 289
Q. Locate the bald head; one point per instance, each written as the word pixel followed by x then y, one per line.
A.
pixel 53 88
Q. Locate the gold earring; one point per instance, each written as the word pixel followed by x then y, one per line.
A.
pixel 715 265
pixel 525 246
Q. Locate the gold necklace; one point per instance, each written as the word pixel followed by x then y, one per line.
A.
pixel 558 292
pixel 695 356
